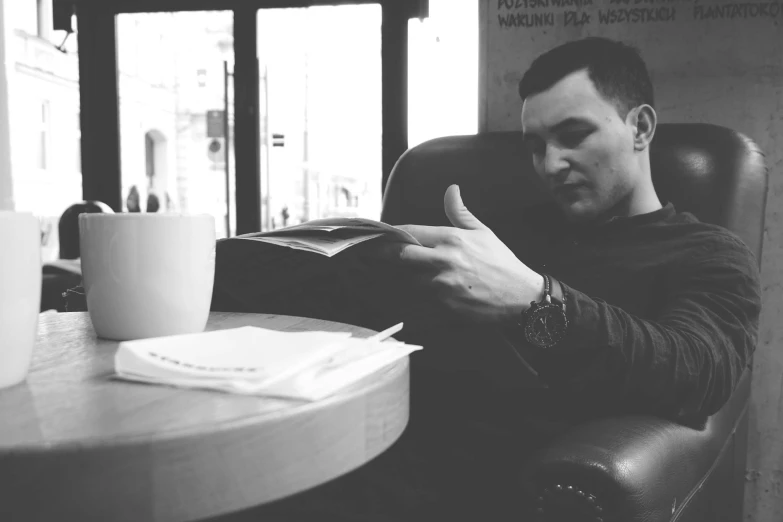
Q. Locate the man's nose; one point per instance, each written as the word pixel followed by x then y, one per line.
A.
pixel 554 161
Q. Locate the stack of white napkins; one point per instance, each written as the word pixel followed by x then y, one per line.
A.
pixel 257 361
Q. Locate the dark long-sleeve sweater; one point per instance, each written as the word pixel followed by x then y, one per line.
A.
pixel 663 312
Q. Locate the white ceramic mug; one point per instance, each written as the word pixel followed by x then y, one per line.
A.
pixel 147 275
pixel 20 293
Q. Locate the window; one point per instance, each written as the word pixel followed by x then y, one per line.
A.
pixel 320 115
pixel 44 136
pixel 149 156
pixel 78 149
pixel 169 62
pixel 443 71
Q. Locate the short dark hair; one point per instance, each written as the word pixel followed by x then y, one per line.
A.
pixel 616 69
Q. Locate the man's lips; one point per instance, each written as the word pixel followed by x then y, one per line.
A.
pixel 566 188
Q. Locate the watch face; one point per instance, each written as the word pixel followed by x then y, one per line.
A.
pixel 546 325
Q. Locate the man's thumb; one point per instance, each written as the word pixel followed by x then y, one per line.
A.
pixel 457 213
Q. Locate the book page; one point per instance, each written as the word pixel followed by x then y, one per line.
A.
pixel 327 245
pixel 329 236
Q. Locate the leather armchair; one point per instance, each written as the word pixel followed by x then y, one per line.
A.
pixel 58 282
pixel 635 468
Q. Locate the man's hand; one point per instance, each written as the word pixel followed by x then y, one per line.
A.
pixel 471 270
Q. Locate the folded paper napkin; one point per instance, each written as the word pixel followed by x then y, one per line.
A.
pixel 256 361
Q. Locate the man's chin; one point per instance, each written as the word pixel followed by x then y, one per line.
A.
pixel 578 211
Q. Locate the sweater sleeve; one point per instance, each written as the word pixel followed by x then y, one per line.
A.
pixel 685 360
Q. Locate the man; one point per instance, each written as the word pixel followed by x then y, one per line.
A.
pixel 659 307
pixel 610 303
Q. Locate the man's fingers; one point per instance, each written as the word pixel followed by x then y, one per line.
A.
pixel 380 249
pixel 406 253
pixel 421 256
pixel 429 236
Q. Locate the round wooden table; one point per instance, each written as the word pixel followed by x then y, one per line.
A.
pixel 76 444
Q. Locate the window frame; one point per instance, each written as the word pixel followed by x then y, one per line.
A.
pixel 98 86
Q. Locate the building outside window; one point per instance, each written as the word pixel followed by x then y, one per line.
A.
pixel 43 84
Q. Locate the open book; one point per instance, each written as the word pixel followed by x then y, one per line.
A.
pixel 330 236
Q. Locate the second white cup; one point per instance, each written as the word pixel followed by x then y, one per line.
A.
pixel 147 275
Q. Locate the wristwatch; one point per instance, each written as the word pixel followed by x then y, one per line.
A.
pixel 545 323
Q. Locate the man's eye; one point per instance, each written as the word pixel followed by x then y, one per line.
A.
pixel 574 138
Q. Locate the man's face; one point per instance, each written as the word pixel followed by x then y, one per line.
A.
pixel 582 149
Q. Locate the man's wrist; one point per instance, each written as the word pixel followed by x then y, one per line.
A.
pixel 545 324
pixel 557 290
pixel 514 312
pixel 540 291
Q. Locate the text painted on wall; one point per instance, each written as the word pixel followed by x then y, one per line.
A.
pixel 513 14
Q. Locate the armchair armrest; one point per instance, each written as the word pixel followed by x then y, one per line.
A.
pixel 635 468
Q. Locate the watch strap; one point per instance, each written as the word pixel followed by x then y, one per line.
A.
pixel 554 328
pixel 557 291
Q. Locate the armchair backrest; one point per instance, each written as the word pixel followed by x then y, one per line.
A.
pixel 68 226
pixel 714 172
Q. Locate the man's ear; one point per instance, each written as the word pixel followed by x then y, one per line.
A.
pixel 643 121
